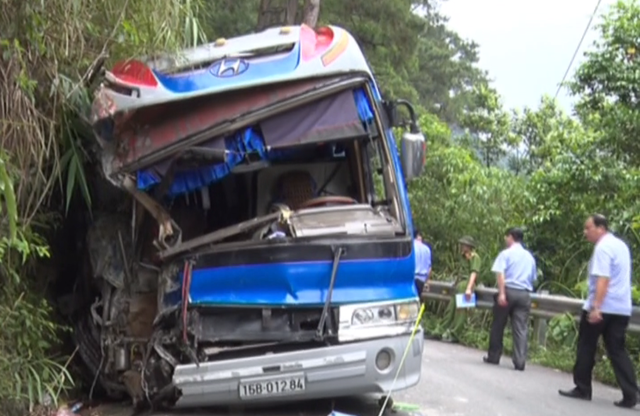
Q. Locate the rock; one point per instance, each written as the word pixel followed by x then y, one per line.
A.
pixel 64 411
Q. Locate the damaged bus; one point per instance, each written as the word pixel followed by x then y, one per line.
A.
pixel 263 250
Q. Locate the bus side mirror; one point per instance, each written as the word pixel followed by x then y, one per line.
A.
pixel 413 143
pixel 413 154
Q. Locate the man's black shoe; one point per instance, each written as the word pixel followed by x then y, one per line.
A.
pixel 575 394
pixel 627 402
pixel 486 360
pixel 519 367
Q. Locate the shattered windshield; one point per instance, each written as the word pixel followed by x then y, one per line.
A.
pixel 305 192
pixel 319 169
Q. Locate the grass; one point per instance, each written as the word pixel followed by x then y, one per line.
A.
pixel 563 358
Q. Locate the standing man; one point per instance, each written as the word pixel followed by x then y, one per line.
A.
pixel 473 263
pixel 516 271
pixel 606 312
pixel 471 269
pixel 423 262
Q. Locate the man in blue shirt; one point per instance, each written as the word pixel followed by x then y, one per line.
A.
pixel 606 312
pixel 423 262
pixel 515 269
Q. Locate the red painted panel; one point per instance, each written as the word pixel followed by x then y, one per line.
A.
pixel 150 130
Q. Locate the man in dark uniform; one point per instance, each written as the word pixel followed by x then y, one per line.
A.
pixel 455 319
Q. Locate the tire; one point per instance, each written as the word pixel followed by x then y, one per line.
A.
pixel 87 338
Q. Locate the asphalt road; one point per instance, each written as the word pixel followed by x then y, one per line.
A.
pixel 455 382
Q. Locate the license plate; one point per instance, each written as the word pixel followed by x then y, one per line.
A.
pixel 276 387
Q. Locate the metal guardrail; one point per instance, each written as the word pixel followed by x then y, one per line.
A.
pixel 543 305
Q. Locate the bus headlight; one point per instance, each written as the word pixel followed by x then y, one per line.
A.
pixel 379 313
pixel 407 311
pixel 374 315
pixel 379 319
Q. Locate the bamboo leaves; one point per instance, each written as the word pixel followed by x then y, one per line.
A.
pixel 9 196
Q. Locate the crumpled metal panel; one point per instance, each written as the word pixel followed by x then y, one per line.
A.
pixel 103 243
pixel 143 139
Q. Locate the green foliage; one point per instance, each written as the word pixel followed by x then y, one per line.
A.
pixel 458 196
pixel 537 168
pixel 8 195
pixel 228 18
pixel 73 129
pixel 389 43
pixel 487 126
pixel 49 50
pixel 30 376
pixel 557 165
pixel 446 63
pixel 27 371
pixel 562 331
pixel 28 333
pixel 607 82
pixel 435 130
pixel 545 171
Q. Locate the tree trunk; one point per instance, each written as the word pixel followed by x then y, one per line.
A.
pixel 277 13
pixel 285 13
pixel 311 12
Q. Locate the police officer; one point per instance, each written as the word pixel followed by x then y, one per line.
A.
pixel 471 269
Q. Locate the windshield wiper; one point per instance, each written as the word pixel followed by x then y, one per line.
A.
pixel 337 255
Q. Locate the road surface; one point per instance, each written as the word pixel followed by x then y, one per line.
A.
pixel 455 382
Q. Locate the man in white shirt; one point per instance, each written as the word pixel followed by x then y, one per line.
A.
pixel 606 312
pixel 516 272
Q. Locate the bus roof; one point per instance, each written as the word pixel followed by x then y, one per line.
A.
pixel 272 56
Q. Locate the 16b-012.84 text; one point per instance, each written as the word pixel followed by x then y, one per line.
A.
pixel 272 387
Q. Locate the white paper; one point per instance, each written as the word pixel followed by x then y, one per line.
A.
pixel 462 302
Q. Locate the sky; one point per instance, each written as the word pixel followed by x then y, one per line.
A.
pixel 525 45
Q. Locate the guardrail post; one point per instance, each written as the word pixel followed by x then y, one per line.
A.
pixel 540 327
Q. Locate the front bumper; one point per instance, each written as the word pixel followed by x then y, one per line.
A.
pixel 328 372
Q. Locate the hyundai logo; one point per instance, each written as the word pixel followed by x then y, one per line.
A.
pixel 227 68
